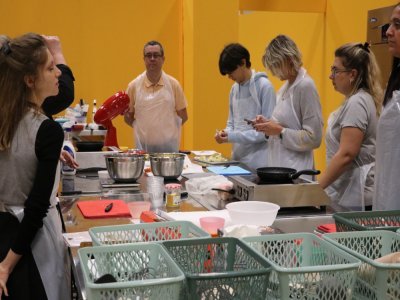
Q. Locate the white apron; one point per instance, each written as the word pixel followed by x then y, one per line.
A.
pixel 49 250
pixel 387 175
pixel 284 114
pixel 252 155
pixel 156 126
pixel 348 189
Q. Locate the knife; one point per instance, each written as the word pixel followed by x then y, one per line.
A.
pixel 73 193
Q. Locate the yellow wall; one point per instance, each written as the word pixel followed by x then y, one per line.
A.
pixel 103 40
pixel 209 25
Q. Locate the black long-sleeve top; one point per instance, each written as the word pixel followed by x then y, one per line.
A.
pixel 49 140
pixel 56 104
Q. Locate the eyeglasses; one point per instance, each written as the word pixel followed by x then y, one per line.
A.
pixel 153 55
pixel 335 71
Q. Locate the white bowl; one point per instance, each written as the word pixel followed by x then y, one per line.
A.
pixel 252 212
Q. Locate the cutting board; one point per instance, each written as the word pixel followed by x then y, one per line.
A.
pixel 228 171
pixel 95 209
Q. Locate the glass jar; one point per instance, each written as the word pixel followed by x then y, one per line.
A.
pixel 173 194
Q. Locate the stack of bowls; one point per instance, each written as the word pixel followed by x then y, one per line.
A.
pixel 167 165
pixel 124 167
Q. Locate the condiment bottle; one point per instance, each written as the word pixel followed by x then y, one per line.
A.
pixel 173 194
pixel 69 147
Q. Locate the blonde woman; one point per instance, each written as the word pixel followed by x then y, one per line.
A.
pixel 295 128
pixel 351 132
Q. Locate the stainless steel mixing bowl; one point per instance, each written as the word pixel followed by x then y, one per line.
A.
pixel 125 167
pixel 167 165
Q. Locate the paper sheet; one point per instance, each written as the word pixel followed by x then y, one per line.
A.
pixel 74 239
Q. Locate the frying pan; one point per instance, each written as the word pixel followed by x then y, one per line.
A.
pixel 282 175
pixel 88 146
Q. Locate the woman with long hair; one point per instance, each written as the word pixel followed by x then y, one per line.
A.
pixel 351 131
pixel 33 257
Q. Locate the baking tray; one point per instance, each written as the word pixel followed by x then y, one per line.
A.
pixel 218 163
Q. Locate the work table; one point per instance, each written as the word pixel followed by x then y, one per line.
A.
pixel 290 220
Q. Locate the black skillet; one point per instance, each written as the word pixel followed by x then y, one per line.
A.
pixel 282 175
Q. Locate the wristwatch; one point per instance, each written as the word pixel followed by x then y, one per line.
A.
pixel 282 132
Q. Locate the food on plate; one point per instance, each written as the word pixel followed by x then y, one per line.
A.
pixel 216 157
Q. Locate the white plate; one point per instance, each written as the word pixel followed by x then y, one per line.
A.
pixel 204 152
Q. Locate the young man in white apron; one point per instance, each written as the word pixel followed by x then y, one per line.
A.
pixel 252 94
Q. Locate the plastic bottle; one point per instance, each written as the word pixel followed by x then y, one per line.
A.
pixel 94 110
pixel 173 194
pixel 69 147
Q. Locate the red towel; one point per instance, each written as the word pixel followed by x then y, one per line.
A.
pixel 95 209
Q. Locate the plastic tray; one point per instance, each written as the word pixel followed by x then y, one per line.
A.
pixel 306 267
pixel 142 271
pixel 367 220
pixel 145 232
pixel 220 268
pixel 374 280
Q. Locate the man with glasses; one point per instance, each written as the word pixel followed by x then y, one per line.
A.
pixel 157 107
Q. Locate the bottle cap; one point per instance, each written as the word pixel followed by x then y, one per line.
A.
pixel 173 186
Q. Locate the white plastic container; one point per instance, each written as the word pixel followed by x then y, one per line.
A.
pixel 69 147
pixel 252 212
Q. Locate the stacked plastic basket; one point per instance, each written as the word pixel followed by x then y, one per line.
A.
pixel 145 232
pixel 370 236
pixel 375 280
pixel 131 271
pixel 367 220
pixel 220 268
pixel 306 267
pixel 130 263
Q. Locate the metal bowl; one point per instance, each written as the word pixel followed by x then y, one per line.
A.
pixel 124 167
pixel 167 165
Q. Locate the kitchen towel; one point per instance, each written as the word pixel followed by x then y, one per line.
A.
pixel 228 171
pixel 96 209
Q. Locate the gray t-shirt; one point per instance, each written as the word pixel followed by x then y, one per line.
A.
pixel 359 111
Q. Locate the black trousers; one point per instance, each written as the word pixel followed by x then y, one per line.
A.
pixel 24 282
